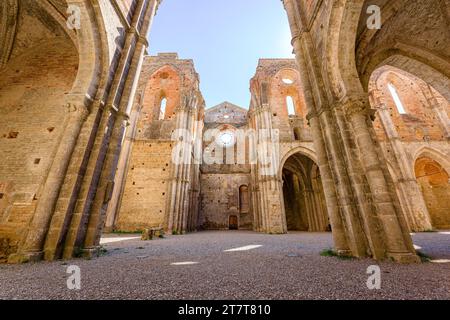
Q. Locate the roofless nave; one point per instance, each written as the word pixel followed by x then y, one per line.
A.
pixel 361 116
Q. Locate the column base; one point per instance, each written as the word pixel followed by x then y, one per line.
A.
pixel 26 257
pixel 90 253
pixel 344 253
pixel 406 258
pixel 108 230
pixel 275 231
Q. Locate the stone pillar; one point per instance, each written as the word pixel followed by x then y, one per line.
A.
pixel 122 169
pixel 438 109
pixel 178 180
pixel 359 212
pixel 273 213
pixel 105 187
pixel 32 246
pixel 396 237
pixel 255 189
pixel 136 45
pixel 186 210
pixel 341 241
pixel 411 198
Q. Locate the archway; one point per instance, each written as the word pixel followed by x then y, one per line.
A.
pixel 410 114
pixel 303 195
pixel 435 186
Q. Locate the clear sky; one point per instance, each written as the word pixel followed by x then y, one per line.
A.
pixel 225 38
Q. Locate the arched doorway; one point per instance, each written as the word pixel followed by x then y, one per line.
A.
pixel 303 195
pixel 435 186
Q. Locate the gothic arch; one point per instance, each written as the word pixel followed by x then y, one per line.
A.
pixel 89 42
pixel 302 150
pixel 285 84
pixel 340 47
pixel 434 181
pixel 433 154
pixel 161 83
pixel 304 202
pixel 421 67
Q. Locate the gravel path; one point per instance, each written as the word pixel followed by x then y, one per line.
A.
pixel 284 267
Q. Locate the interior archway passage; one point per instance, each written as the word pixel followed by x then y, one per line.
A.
pixel 303 195
pixel 435 185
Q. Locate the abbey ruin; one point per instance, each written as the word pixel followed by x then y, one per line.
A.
pixel 350 137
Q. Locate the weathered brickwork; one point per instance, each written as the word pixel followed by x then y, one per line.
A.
pixel 32 119
pixel 146 189
pixel 221 196
pixel 157 191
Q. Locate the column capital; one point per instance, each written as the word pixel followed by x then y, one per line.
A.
pixel 356 105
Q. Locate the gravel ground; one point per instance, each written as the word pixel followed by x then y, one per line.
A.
pixel 284 267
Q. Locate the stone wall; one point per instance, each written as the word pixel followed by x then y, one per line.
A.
pixel 221 181
pixel 220 200
pixel 156 191
pixel 144 199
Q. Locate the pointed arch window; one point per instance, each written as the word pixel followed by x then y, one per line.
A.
pixel 162 108
pixel 290 106
pixel 398 102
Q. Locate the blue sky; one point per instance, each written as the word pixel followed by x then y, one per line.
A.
pixel 225 38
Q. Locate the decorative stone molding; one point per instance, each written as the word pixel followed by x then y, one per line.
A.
pixel 354 105
pixel 9 10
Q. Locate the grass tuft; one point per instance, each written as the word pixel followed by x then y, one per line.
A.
pixel 126 232
pixel 423 257
pixel 332 253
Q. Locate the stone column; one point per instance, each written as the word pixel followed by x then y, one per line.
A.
pixel 256 201
pixel 176 204
pixel 341 241
pixel 105 187
pixel 438 109
pixel 315 225
pixel 411 197
pixel 122 169
pixel 136 44
pixel 32 247
pixel 271 186
pixel 397 240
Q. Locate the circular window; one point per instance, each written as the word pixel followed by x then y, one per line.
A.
pixel 226 138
